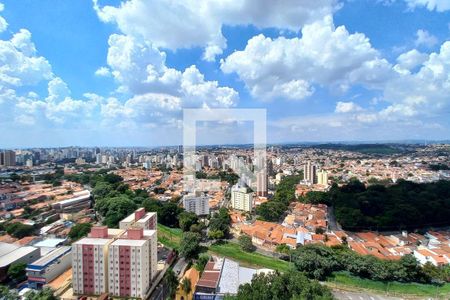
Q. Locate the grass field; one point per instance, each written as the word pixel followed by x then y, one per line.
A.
pixel 233 251
pixel 340 279
pixel 170 237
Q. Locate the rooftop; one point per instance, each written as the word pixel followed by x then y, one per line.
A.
pixel 50 243
pixel 92 241
pixel 14 255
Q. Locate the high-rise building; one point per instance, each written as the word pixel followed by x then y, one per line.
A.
pixel 309 173
pixel 119 262
pixel 2 159
pixel 261 183
pixel 29 163
pixel 140 219
pixel 198 204
pixel 241 199
pixel 132 263
pixel 90 263
pixel 9 158
pixel 322 178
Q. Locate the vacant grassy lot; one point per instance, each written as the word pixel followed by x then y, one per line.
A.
pixel 234 251
pixel 170 237
pixel 393 288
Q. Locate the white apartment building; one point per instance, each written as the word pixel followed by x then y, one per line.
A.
pixel 121 263
pixel 322 178
pixel 198 204
pixel 241 199
pixel 141 219
pixel 89 263
pixel 132 263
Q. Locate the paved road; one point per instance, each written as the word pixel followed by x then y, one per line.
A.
pixel 179 267
pixel 332 223
pixel 345 295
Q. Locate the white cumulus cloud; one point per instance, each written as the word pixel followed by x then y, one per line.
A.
pixel 438 5
pixel 347 107
pixel 324 55
pixel 19 63
pixel 425 38
pixel 175 24
pixel 103 72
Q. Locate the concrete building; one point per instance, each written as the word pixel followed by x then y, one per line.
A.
pixel 79 201
pixel 90 263
pixel 241 199
pixel 29 163
pixel 9 158
pixel 222 277
pixel 121 263
pixel 196 203
pixel 261 183
pixel 48 267
pixel 141 219
pixel 10 254
pixel 309 173
pixel 322 178
pixel 48 245
pixel 132 263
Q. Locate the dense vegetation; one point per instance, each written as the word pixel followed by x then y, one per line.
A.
pixel 285 193
pixel 190 245
pixel 319 262
pixel 228 176
pixel 79 230
pixel 19 230
pixel 289 285
pixel 16 271
pixel 44 294
pixel 114 200
pixel 383 149
pixel 219 225
pixel 438 167
pixel 405 205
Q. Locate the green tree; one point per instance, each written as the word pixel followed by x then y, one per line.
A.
pixel 168 214
pixel 7 294
pixel 44 294
pixel 317 261
pixel 220 221
pixel 117 208
pixel 246 243
pixel 216 234
pixel 16 271
pixel 171 281
pixel 19 230
pixel 201 262
pixel 289 285
pixel 186 285
pixel 79 230
pixel 283 249
pixel 186 220
pixel 190 245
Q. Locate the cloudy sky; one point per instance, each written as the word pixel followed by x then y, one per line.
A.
pixel 119 73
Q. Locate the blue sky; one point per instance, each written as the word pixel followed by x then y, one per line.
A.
pixel 119 73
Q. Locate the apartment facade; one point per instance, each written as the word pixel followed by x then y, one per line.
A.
pixel 198 204
pixel 140 218
pixel 90 263
pixel 120 262
pixel 241 199
pixel 132 263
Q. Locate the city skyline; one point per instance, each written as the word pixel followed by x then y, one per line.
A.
pixel 325 71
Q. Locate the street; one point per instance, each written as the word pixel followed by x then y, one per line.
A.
pixel 345 295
